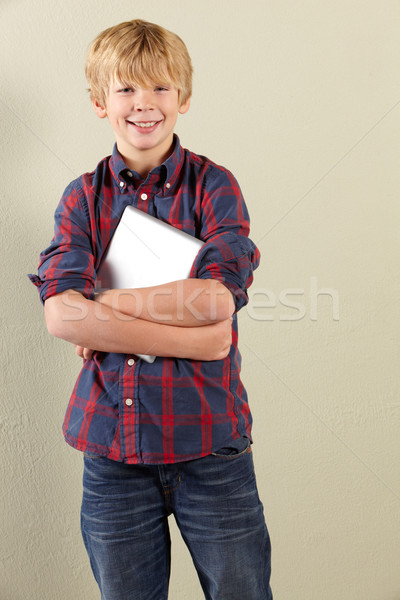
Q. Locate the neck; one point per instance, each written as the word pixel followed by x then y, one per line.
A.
pixel 143 161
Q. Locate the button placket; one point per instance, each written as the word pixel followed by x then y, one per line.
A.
pixel 130 361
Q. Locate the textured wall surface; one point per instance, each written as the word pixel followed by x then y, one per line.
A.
pixel 301 100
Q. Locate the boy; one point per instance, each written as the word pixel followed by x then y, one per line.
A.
pixel 172 436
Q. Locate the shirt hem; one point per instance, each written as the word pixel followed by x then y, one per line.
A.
pixel 134 460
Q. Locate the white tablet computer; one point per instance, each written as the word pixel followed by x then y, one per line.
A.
pixel 144 251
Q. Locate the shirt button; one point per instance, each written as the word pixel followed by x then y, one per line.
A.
pixel 131 361
pixel 144 196
pixel 129 401
pixel 121 184
pixel 129 173
pixel 168 185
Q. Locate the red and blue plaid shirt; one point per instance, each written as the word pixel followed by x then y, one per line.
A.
pixel 171 410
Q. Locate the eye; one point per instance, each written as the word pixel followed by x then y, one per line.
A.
pixel 161 88
pixel 125 90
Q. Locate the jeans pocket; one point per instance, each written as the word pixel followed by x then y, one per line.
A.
pixel 92 455
pixel 234 450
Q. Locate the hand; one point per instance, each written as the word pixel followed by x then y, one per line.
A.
pixel 210 342
pixel 223 343
pixel 84 353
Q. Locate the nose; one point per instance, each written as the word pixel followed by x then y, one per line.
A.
pixel 143 100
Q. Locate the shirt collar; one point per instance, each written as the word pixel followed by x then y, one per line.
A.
pixel 168 170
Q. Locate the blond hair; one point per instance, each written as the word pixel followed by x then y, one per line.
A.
pixel 138 53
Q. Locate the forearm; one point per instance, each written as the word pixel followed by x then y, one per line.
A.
pixel 86 323
pixel 183 303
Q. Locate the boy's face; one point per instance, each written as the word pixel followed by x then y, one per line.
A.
pixel 143 120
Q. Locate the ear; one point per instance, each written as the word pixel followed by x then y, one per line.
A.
pixel 100 111
pixel 184 107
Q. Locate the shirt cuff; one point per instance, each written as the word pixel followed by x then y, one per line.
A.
pixel 231 259
pixel 56 286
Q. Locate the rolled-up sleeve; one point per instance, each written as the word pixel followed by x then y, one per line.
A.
pixel 68 262
pixel 228 254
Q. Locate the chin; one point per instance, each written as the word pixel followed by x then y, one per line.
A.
pixel 146 146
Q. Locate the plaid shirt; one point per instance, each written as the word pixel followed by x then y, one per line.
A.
pixel 173 409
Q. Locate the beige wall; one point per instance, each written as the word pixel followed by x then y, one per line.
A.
pixel 301 100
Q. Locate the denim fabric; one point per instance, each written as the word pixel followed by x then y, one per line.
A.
pixel 215 503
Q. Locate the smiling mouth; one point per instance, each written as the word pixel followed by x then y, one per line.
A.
pixel 144 124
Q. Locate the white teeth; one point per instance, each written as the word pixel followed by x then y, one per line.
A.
pixel 149 124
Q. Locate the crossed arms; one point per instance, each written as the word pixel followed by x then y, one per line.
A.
pixel 190 318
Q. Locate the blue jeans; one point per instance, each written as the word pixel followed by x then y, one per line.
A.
pixel 124 521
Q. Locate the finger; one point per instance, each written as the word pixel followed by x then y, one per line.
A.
pixel 79 350
pixel 87 353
